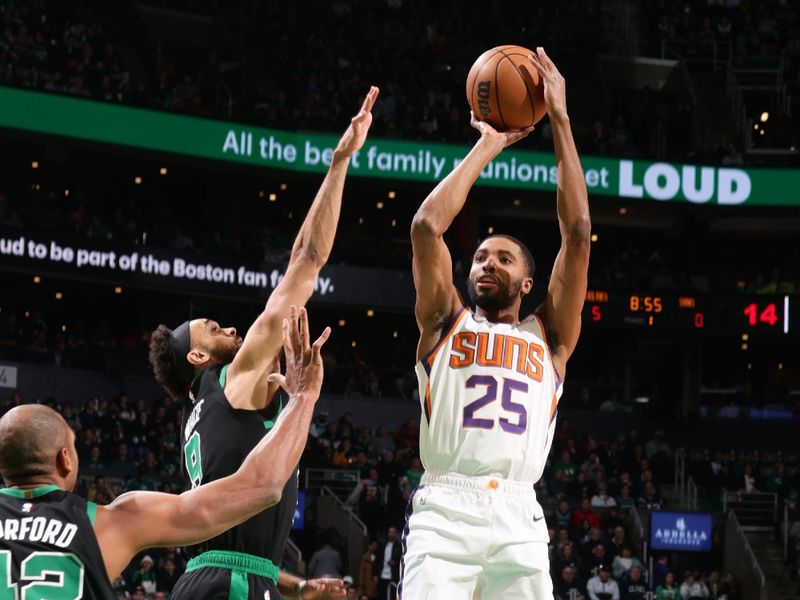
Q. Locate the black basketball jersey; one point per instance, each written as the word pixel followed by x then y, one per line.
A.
pixel 216 439
pixel 48 548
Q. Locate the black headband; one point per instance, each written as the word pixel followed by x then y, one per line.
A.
pixel 181 344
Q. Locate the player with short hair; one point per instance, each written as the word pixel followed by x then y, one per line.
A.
pixel 490 382
pixel 55 544
pixel 222 382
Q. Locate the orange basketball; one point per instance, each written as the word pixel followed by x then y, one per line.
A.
pixel 505 90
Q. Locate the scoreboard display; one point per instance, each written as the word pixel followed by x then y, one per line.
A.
pixel 739 313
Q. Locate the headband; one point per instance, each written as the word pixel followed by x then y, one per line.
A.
pixel 181 344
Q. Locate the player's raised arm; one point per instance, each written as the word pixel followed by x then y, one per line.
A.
pixel 561 311
pixel 139 520
pixel 310 252
pixel 437 299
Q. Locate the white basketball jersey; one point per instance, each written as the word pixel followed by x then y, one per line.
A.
pixel 489 393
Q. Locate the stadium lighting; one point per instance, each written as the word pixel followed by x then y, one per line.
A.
pixel 594 237
pixel 370 312
pixel 118 290
pixel 745 337
pixel 780 366
pixel 761 132
pixel 66 193
pixel 35 164
pixel 764 117
pixel 137 180
pixel 353 344
pixel 342 322
pixel 59 295
pixel 394 222
pixel 490 230
pixel 755 126
pixel 379 205
pixel 394 334
pixel 642 400
pixel 392 195
pixel 163 170
pixel 273 196
pixel 63 328
pixel 37 279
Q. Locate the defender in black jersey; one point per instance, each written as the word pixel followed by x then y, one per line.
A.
pixel 223 383
pixel 55 545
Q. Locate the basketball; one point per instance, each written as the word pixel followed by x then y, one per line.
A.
pixel 505 90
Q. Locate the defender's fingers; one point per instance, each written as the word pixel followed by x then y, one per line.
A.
pixel 287 342
pixel 294 331
pixel 315 349
pixel 304 333
pixel 279 379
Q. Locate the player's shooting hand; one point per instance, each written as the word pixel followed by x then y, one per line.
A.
pixel 356 133
pixel 502 139
pixel 324 588
pixel 555 90
pixel 304 370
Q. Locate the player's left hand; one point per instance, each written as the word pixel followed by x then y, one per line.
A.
pixel 324 588
pixel 273 386
pixel 555 89
pixel 356 134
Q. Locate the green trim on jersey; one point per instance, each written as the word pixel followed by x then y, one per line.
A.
pixel 235 561
pixel 223 373
pixel 32 493
pixel 91 512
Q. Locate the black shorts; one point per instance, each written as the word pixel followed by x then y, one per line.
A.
pixel 216 583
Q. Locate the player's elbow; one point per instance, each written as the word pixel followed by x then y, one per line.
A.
pixel 273 492
pixel 423 227
pixel 310 255
pixel 579 232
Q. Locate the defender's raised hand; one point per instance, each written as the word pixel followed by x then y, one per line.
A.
pixel 355 135
pixel 304 370
pixel 555 93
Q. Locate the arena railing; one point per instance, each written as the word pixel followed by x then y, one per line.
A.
pixel 332 512
pixel 740 559
pixel 680 475
pixel 292 555
pixel 339 481
pixel 754 512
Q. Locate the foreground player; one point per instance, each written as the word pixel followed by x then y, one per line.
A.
pixel 490 382
pixel 54 544
pixel 226 380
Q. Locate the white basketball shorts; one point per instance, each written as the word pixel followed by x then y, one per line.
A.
pixel 470 538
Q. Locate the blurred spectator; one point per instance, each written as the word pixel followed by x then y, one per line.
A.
pixel 325 562
pixel 633 588
pixel 389 564
pixel 585 513
pixel 145 576
pixel 667 590
pixel 367 580
pixel 624 563
pixel 567 586
pixel 602 586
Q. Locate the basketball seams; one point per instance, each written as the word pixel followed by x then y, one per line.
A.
pixel 496 88
pixel 525 82
pixel 477 73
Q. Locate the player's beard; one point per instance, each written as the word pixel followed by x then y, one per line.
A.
pixel 502 298
pixel 222 356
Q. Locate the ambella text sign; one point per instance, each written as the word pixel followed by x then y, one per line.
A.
pixel 189 273
pixel 680 531
pixel 391 159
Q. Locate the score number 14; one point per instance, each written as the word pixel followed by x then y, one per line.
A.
pixel 768 316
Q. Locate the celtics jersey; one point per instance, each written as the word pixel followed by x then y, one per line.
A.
pixel 216 439
pixel 48 549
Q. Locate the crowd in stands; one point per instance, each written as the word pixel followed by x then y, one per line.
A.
pixel 346 46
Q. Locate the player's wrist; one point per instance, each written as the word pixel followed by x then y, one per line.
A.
pixel 300 587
